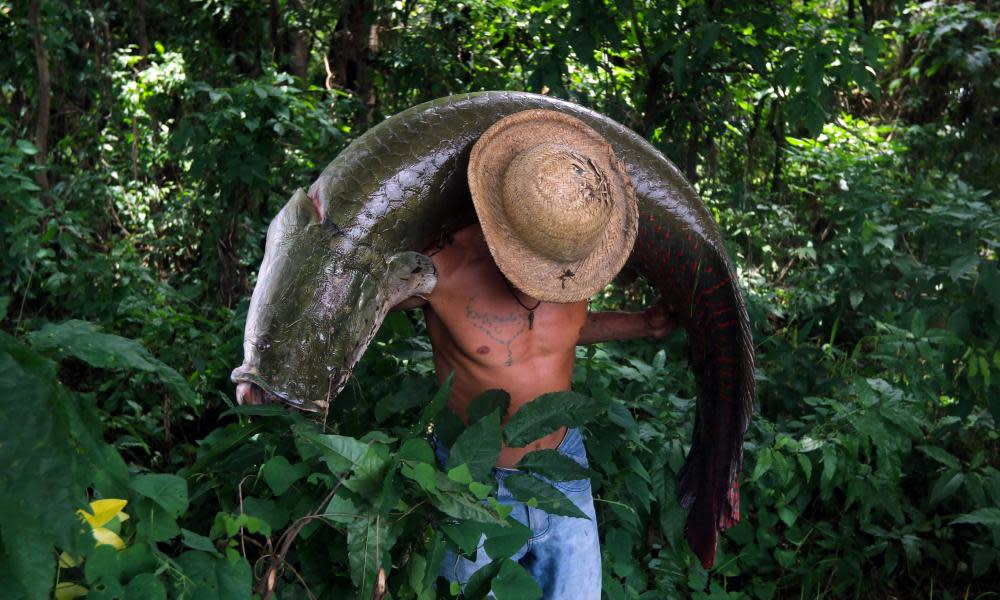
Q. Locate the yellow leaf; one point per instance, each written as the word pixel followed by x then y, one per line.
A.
pixel 67 562
pixel 68 590
pixel 104 511
pixel 106 536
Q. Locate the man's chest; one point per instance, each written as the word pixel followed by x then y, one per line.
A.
pixel 490 325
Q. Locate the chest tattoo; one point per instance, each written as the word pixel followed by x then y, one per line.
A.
pixel 502 329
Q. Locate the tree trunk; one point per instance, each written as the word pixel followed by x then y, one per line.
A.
pixel 274 21
pixel 301 44
pixel 691 156
pixel 140 27
pixel 44 91
pixel 778 133
pixel 353 43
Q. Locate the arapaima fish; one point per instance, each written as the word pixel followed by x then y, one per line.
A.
pixel 338 258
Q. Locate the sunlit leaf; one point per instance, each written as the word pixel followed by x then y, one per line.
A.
pixel 108 537
pixel 102 511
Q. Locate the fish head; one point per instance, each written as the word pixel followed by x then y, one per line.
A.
pixel 318 302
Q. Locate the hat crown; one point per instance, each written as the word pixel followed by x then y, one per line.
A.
pixel 557 207
pixel 557 201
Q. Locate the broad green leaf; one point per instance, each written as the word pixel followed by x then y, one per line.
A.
pixel 989 517
pixel 145 586
pixel 369 544
pixel 480 490
pixel 465 534
pixel 279 474
pixel 553 465
pixel 829 466
pixel 196 541
pixel 940 455
pixel 945 486
pixel 962 266
pixel 415 569
pixel 412 393
pixel 52 451
pixel 806 465
pixel 437 403
pixel 620 415
pixel 423 474
pixel 169 491
pixel 370 472
pixel 537 493
pixel 106 590
pixel 342 509
pixel 764 460
pixel 505 541
pixel 460 474
pixel 787 515
pixel 447 427
pixel 435 557
pixel 27 147
pixel 485 403
pixel 268 510
pixel 548 412
pixel 478 447
pixel 458 505
pixel 136 558
pixel 481 581
pixel 102 565
pixel 210 578
pixel 152 522
pixel 512 582
pixel 417 450
pixel 982 559
pixel 856 296
pixel 231 524
pixel 83 340
pixel 340 453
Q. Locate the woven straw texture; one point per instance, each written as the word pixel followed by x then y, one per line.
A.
pixel 556 206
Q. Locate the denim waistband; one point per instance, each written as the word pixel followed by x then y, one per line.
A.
pixel 571 446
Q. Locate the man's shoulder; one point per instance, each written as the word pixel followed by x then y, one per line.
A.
pixel 462 254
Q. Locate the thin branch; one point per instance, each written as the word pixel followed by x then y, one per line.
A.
pixel 639 37
pixel 265 587
pixel 44 92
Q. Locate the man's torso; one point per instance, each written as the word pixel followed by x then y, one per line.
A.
pixel 482 332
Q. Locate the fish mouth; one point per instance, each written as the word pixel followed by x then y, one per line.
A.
pixel 252 389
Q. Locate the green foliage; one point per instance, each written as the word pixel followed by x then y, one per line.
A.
pixel 847 149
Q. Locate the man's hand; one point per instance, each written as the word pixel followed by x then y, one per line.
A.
pixel 247 394
pixel 659 321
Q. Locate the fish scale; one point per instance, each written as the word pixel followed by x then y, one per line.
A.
pixel 401 186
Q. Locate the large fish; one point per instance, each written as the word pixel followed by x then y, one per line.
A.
pixel 338 258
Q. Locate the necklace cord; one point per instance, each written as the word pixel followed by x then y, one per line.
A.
pixel 513 293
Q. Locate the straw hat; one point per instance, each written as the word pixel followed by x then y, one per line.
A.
pixel 556 207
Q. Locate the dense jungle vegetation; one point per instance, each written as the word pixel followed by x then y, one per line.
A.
pixel 848 149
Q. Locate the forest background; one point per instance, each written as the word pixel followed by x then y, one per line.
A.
pixel 847 148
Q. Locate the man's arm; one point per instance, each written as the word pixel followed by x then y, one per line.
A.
pixel 609 326
pixel 411 302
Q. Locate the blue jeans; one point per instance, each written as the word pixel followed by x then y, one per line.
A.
pixel 563 553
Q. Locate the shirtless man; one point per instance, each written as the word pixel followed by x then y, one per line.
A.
pixel 557 220
pixel 478 326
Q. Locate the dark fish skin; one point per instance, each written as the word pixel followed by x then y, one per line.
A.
pixel 402 185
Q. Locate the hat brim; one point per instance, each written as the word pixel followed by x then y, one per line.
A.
pixel 540 276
